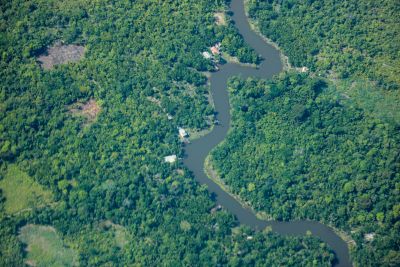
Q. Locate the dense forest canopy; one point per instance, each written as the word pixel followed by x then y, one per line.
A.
pixel 346 38
pixel 92 135
pixel 323 148
pixel 310 153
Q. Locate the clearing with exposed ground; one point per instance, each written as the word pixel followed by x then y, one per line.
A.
pixel 119 232
pixel 88 110
pixel 220 18
pixel 61 54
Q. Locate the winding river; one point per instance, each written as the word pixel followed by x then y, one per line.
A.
pixel 197 151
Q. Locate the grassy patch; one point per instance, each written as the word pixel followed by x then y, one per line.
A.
pixel 231 59
pixel 196 134
pixel 21 191
pixel 377 103
pixel 45 247
pixel 119 233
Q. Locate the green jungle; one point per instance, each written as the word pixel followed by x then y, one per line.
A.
pixel 83 180
pixel 325 144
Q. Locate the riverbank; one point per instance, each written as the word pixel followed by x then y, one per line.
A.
pixel 198 160
pixel 287 67
pixel 213 175
pixel 254 27
pixel 230 59
pixel 195 134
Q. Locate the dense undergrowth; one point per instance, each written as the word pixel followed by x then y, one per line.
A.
pixel 324 148
pixel 108 173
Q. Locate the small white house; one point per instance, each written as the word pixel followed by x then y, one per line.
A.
pixel 182 133
pixel 206 55
pixel 170 159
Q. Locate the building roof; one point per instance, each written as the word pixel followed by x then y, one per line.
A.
pixel 182 132
pixel 170 159
pixel 206 55
pixel 215 49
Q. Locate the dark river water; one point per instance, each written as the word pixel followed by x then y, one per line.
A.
pixel 197 151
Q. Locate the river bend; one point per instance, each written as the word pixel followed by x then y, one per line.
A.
pixel 197 151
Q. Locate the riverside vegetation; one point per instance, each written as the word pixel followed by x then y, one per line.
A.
pixel 87 138
pixel 323 145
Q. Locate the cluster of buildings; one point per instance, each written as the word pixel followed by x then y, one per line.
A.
pixel 183 135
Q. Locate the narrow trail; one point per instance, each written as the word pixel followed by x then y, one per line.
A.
pixel 197 151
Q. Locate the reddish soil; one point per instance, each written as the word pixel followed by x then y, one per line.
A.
pixel 89 110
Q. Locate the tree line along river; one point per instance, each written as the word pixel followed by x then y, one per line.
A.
pixel 197 151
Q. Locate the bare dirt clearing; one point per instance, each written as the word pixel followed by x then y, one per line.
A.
pixel 88 110
pixel 61 54
pixel 220 18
